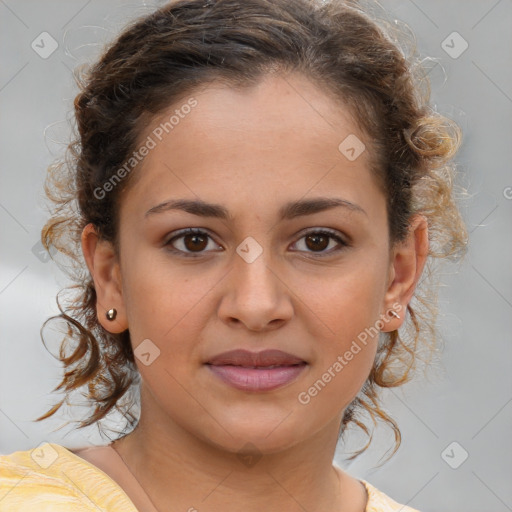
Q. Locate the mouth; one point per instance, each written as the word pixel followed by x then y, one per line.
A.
pixel 256 371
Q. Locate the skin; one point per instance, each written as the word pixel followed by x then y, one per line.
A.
pixel 251 151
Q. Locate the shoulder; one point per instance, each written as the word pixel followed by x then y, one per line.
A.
pixel 52 478
pixel 380 502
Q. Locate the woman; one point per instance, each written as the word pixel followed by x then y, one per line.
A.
pixel 256 189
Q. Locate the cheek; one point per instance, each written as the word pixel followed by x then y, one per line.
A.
pixel 347 307
pixel 160 298
pixel 345 301
pixel 346 354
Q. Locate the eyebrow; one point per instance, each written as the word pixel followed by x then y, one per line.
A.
pixel 289 211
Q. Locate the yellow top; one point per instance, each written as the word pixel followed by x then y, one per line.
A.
pixel 50 478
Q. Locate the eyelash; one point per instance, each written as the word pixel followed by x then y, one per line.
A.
pixel 196 231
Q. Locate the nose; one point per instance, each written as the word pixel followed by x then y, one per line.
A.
pixel 255 295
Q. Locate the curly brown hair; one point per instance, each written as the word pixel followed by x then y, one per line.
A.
pixel 163 56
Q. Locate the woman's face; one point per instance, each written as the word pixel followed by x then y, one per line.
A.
pixel 260 275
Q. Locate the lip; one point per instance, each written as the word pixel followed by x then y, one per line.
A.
pixel 240 357
pixel 256 371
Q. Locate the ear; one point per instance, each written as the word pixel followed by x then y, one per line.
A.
pixel 407 263
pixel 105 271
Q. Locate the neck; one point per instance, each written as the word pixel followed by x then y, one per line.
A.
pixel 177 469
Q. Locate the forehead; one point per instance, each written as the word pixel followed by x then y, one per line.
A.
pixel 280 137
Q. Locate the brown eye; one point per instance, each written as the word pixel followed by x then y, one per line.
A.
pixel 195 242
pixel 190 242
pixel 317 242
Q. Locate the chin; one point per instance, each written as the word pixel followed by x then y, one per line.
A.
pixel 262 435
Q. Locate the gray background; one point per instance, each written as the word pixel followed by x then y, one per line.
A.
pixel 467 397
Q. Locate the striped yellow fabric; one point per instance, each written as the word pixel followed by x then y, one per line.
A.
pixel 50 478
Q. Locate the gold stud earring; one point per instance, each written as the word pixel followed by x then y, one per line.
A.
pixel 111 314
